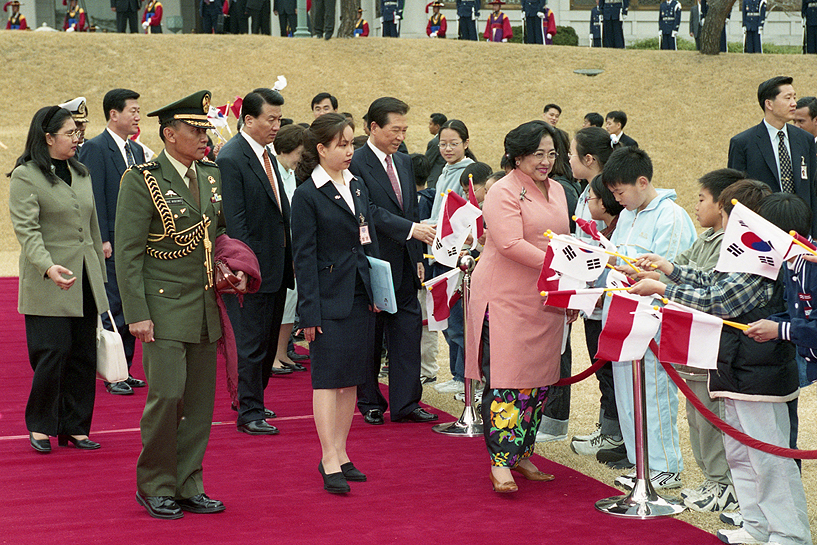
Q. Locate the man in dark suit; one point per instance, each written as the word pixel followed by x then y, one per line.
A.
pixel 107 156
pixel 127 15
pixel 390 179
pixel 257 212
pixel 614 124
pixel 774 151
pixel 286 10
pixel 435 160
pixel 695 23
pixel 259 10
pixel 210 10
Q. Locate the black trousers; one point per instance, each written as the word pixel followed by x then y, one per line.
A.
pixel 592 330
pixel 403 331
pixel 62 353
pixel 533 30
pixel 810 39
pixel 256 324
pixel 612 34
pixel 323 17
pixel 209 18
pixel 261 19
pixel 468 29
pixel 288 20
pixel 127 19
pixel 390 29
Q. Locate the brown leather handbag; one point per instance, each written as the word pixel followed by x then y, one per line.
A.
pixel 226 280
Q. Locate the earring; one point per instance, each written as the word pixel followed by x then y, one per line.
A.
pixel 517 163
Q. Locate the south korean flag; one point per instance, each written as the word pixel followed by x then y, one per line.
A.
pixel 574 258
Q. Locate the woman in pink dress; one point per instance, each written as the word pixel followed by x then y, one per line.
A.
pixel 518 355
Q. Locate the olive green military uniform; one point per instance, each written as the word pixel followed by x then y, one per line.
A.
pixel 164 256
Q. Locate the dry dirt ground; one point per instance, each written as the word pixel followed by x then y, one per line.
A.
pixel 683 108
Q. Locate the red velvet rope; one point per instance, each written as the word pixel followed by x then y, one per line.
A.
pixel 597 364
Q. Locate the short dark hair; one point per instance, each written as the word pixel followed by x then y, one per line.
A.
pixel 289 138
pixel 718 180
pixel 480 173
pixel 380 109
pixel 594 119
pixel 168 123
pixel 253 103
pixel 348 115
pixel 438 119
pixel 524 139
pixel 595 141
pixel 811 102
pixel 421 168
pixel 324 130
pixel 626 165
pixel 749 193
pixel 770 88
pixel 320 97
pixel 787 211
pixel 462 131
pixel 286 121
pixel 618 116
pixel 505 162
pixel 115 99
pixel 608 200
pixel 552 106
pixel 47 120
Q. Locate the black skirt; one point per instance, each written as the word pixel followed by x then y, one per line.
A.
pixel 341 354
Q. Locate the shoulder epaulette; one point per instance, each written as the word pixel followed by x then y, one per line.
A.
pixel 208 162
pixel 152 165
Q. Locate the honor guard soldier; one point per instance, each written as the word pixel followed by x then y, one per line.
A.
pixel 75 20
pixel 613 13
pixel 669 21
pixel 168 216
pixel 17 21
pixel 467 15
pixel 437 24
pixel 754 15
pixel 391 11
pixel 809 13
pixel 548 28
pixel 595 26
pixel 534 11
pixel 361 26
pixel 79 112
pixel 704 11
pixel 152 18
pixel 498 27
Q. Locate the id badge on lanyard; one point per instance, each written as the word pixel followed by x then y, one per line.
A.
pixel 365 238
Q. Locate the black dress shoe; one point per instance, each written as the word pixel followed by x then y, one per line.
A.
pixel 160 507
pixel 334 483
pixel 84 444
pixel 120 388
pixel 351 473
pixel 201 504
pixel 267 412
pixel 294 366
pixel 294 356
pixel 40 445
pixel 374 417
pixel 258 427
pixel 419 415
pixel 135 382
pixel 280 371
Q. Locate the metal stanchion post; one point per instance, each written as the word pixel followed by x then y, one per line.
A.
pixel 642 501
pixel 469 423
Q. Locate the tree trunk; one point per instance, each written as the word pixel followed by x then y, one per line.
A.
pixel 713 25
pixel 348 16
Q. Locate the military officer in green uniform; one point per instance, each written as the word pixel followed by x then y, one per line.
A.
pixel 168 216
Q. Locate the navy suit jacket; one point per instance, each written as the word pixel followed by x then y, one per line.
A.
pixel 252 214
pixel 106 165
pixel 327 250
pixel 751 152
pixel 392 224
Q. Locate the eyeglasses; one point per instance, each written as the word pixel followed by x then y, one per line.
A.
pixel 451 145
pixel 76 133
pixel 541 156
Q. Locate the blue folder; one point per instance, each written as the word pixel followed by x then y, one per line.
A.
pixel 382 285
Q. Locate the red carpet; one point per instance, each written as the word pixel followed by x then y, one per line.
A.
pixel 423 487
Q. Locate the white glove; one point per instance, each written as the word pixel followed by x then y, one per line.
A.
pixel 381 19
pixel 760 30
pixel 744 30
pixel 674 33
pixel 504 40
pixel 540 14
pixel 145 25
pixel 549 36
pixel 396 17
pixel 474 15
pixel 433 34
pixel 591 38
pixel 804 23
pixel 70 29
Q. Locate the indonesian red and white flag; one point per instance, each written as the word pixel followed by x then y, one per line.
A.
pixel 236 107
pixel 752 244
pixel 591 229
pixel 574 258
pixel 583 299
pixel 441 294
pixel 631 324
pixel 478 227
pixel 453 228
pixel 689 337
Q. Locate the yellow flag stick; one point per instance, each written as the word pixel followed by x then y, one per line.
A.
pixel 736 325
pixel 794 239
pixel 545 294
pixel 627 260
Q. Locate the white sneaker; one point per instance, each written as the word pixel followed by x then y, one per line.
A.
pixel 590 437
pixel 542 437
pixel 702 490
pixel 719 498
pixel 661 480
pixel 450 387
pixel 591 447
pixel 738 536
pixel 735 518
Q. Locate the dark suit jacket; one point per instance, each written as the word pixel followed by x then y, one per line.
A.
pixel 106 165
pixel 284 6
pixel 392 224
pixel 123 6
pixel 751 152
pixel 627 141
pixel 695 21
pixel 327 250
pixel 253 216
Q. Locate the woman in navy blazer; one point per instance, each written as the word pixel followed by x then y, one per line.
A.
pixel 332 235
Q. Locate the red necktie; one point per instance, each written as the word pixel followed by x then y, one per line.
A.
pixel 272 181
pixel 395 183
